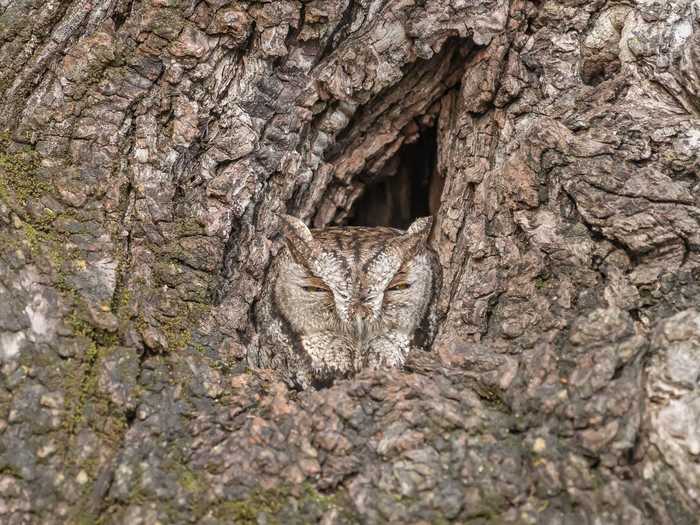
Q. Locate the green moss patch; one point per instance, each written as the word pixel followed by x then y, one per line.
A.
pixel 19 172
pixel 284 505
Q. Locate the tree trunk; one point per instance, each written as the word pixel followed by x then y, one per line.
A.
pixel 148 148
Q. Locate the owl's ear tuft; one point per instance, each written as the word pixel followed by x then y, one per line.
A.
pixel 294 229
pixel 415 238
pixel 298 238
pixel 421 226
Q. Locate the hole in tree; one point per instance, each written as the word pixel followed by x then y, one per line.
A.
pixel 408 187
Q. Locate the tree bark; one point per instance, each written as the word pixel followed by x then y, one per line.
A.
pixel 147 150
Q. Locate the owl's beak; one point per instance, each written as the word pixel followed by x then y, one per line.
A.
pixel 362 312
pixel 360 315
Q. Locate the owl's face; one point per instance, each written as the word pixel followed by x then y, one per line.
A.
pixel 354 296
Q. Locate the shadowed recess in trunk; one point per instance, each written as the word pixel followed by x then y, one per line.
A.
pixel 407 188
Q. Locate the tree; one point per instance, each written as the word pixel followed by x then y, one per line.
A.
pixel 149 147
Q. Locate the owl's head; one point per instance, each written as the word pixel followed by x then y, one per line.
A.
pixel 358 283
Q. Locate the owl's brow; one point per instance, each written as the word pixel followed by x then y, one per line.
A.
pixel 371 258
pixel 356 251
pixel 339 243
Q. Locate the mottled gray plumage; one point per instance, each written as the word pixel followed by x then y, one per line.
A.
pixel 341 299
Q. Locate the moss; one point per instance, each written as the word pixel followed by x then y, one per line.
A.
pixel 45 242
pixel 187 227
pixel 177 337
pixel 494 502
pixel 189 481
pixel 82 328
pixel 178 329
pixel 47 245
pixel 275 504
pixel 33 237
pixel 18 172
pixel 120 304
pixel 167 23
pixel 540 283
pixel 80 387
pixel 41 238
pixel 10 470
pixel 492 397
pixel 83 387
pixel 326 501
pixel 47 217
pixel 86 518
pixel 199 348
pixel 176 317
pixel 246 511
pixel 226 366
pixel 121 295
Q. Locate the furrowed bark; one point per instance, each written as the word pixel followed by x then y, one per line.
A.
pixel 146 150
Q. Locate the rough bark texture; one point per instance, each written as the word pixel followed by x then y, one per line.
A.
pixel 149 147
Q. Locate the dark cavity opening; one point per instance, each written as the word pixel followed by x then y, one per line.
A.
pixel 409 187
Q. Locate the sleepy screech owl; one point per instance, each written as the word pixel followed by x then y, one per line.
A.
pixel 341 299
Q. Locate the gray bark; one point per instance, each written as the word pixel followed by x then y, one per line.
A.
pixel 148 147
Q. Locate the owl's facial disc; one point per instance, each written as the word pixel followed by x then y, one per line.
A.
pixel 340 299
pixel 362 286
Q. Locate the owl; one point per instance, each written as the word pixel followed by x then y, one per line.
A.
pixel 341 299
